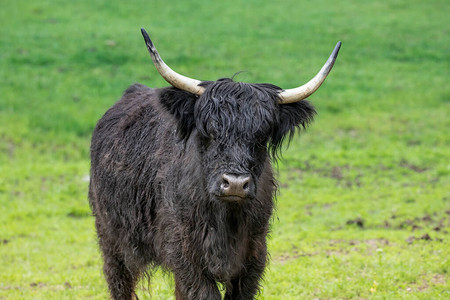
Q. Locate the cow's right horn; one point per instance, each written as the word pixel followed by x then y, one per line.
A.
pixel 304 91
pixel 172 77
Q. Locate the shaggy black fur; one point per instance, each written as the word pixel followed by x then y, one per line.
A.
pixel 156 157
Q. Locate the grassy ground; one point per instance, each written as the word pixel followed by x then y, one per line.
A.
pixel 364 204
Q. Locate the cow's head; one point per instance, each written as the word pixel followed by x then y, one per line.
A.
pixel 237 125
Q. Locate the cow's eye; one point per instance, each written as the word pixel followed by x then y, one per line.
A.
pixel 206 140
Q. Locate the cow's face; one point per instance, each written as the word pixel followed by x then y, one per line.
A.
pixel 238 127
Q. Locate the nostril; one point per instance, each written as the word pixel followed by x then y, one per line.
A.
pixel 245 186
pixel 225 183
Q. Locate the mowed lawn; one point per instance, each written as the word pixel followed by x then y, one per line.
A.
pixel 363 209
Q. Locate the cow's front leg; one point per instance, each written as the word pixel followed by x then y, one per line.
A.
pixel 247 284
pixel 194 286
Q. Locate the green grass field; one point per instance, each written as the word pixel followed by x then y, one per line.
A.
pixel 363 210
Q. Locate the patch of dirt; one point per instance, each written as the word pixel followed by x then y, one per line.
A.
pixel 428 221
pixel 308 208
pixel 406 164
pixel 37 284
pixel 328 205
pixel 336 252
pixel 8 287
pixel 59 287
pixel 287 257
pixel 358 221
pixel 416 227
pixel 439 279
pixel 296 253
pixel 376 243
pixel 78 214
pixel 425 237
pixel 9 147
pixel 437 228
pixel 425 284
pixel 371 245
pixel 427 218
pixel 413 142
pixel 337 248
pixel 336 173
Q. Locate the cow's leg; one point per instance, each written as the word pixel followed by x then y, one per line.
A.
pixel 121 278
pixel 246 285
pixel 193 288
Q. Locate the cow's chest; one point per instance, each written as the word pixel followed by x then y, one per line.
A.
pixel 226 254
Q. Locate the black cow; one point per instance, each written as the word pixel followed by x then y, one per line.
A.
pixel 181 178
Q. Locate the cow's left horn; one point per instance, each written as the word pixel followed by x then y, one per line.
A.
pixel 304 91
pixel 172 77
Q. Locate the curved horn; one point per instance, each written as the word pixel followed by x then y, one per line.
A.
pixel 172 77
pixel 304 91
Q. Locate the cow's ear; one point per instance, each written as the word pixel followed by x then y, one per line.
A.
pixel 292 116
pixel 181 105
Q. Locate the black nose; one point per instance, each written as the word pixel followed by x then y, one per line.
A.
pixel 235 185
